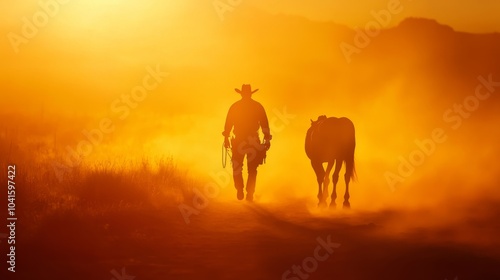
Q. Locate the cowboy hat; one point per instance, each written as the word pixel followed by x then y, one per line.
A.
pixel 245 89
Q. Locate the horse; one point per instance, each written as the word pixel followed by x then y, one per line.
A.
pixel 331 140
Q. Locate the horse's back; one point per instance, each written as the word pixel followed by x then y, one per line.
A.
pixel 333 138
pixel 338 130
pixel 342 125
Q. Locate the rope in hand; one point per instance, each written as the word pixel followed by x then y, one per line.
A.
pixel 225 153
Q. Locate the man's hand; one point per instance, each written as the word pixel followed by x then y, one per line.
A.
pixel 227 143
pixel 267 141
pixel 267 145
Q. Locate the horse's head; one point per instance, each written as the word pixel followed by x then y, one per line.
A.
pixel 314 124
pixel 310 132
pixel 320 119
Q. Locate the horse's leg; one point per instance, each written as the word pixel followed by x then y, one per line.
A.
pixel 335 179
pixel 347 178
pixel 326 179
pixel 320 175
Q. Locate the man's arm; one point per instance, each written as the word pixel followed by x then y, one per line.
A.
pixel 264 124
pixel 228 126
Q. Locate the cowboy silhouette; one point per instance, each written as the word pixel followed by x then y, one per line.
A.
pixel 246 116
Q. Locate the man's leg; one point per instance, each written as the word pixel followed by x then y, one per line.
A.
pixel 237 161
pixel 252 177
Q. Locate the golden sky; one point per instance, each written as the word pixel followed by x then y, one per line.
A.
pixel 463 15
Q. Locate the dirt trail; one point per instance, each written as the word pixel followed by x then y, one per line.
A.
pixel 238 240
pixel 254 241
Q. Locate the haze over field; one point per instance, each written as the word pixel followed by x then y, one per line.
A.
pixel 80 68
pixel 121 81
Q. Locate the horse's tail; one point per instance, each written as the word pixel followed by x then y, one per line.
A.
pixel 350 166
pixel 354 175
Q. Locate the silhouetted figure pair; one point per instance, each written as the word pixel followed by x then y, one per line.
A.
pixel 246 116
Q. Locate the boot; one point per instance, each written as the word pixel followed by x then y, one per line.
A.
pixel 238 184
pixel 252 178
